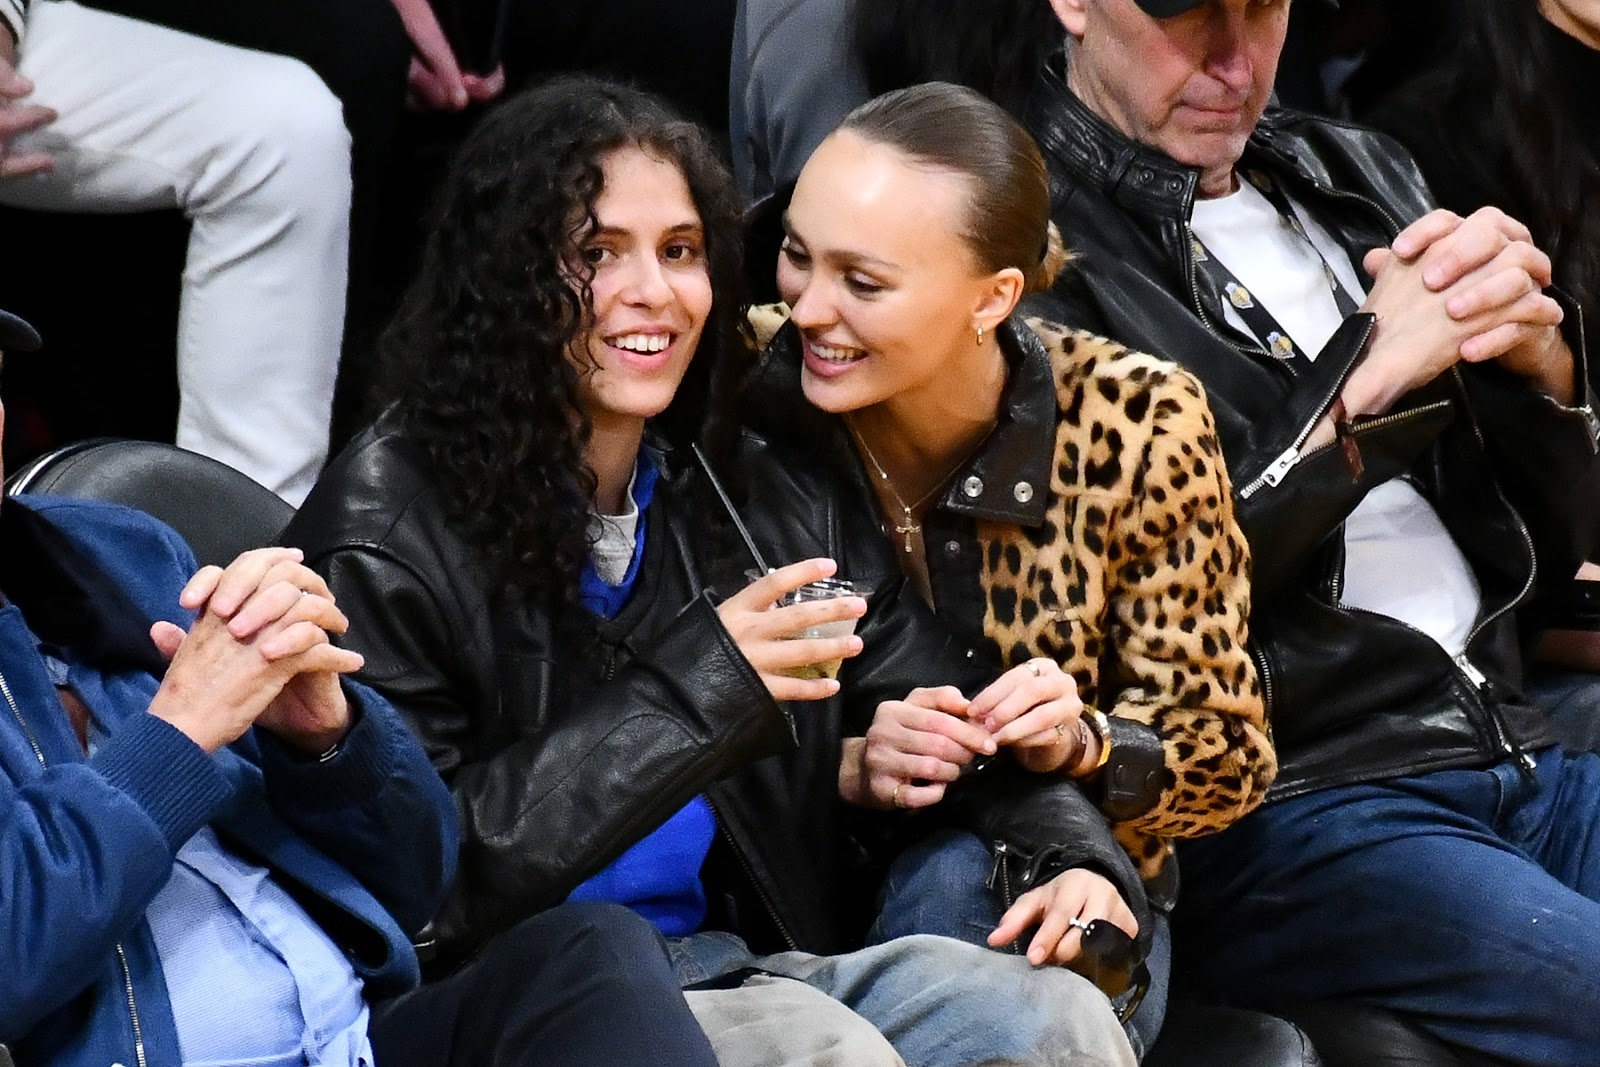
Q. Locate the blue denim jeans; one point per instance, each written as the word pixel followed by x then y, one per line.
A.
pixel 940 1002
pixel 938 887
pixel 1573 700
pixel 1463 899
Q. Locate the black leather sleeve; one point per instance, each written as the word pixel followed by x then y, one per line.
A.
pixel 543 809
pixel 1544 455
pixel 1039 826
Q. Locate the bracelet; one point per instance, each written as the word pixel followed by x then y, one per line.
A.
pixel 1094 720
pixel 1344 433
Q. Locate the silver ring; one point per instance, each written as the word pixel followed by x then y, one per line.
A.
pixel 1077 923
pixel 1033 665
pixel 1061 729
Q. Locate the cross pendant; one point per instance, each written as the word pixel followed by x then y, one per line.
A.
pixel 908 529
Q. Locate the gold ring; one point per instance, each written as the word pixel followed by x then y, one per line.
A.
pixel 895 796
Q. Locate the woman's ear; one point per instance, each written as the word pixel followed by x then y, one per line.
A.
pixel 998 298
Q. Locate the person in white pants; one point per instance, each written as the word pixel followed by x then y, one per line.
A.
pixel 129 116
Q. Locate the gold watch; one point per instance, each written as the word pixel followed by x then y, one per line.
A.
pixel 1096 721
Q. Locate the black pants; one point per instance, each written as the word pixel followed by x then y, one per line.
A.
pixel 581 985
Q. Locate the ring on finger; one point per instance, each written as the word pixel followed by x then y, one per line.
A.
pixel 895 796
pixel 1033 665
pixel 1077 923
pixel 1061 730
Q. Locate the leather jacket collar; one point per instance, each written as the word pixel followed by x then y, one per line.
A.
pixel 1004 481
pixel 1139 179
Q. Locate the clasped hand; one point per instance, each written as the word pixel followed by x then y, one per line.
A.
pixel 258 654
pixel 18 118
pixel 917 746
pixel 1453 289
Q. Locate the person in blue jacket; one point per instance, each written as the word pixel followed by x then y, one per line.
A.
pixel 212 849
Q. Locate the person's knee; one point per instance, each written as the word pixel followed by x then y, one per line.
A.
pixel 770 1019
pixel 587 929
pixel 1020 1013
pixel 287 133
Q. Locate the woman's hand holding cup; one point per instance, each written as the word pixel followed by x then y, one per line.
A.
pixel 769 620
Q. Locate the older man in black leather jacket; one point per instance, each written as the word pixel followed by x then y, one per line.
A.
pixel 1415 452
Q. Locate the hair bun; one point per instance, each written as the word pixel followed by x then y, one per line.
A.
pixel 1051 263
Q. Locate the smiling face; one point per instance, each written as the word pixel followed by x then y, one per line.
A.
pixel 651 290
pixel 1192 86
pixel 882 285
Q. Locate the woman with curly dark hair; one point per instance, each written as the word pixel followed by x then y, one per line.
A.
pixel 528 547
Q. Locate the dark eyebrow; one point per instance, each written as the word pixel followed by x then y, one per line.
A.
pixel 845 257
pixel 680 228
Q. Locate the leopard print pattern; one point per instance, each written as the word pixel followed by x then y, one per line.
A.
pixel 1137 583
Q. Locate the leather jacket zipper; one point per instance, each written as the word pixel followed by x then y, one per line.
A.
pixel 1472 674
pixel 1000 874
pixel 1340 194
pixel 1279 468
pixel 1000 880
pixel 1259 654
pixel 750 873
pixel 1360 428
pixel 1480 685
pixel 1522 527
pixel 122 956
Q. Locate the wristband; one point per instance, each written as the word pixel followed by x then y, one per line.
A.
pixel 1094 720
pixel 1345 436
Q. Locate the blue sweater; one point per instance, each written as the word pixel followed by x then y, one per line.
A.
pixel 86 844
pixel 659 877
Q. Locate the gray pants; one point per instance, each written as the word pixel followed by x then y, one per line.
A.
pixel 935 1001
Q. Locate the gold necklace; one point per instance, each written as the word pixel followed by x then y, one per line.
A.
pixel 911 525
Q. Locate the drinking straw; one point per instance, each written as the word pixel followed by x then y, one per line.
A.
pixel 738 523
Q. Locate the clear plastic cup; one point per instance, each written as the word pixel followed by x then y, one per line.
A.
pixel 822 589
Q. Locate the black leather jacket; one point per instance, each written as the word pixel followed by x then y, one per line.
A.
pixel 1353 695
pixel 561 758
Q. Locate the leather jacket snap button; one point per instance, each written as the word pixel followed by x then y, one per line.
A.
pixel 973 486
pixel 1023 492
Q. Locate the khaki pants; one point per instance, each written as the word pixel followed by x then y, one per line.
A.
pixel 780 1022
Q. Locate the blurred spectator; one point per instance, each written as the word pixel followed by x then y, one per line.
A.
pixel 360 50
pixel 1508 119
pixel 253 148
pixel 794 78
pixel 799 68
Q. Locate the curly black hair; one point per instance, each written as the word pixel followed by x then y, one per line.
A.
pixel 475 363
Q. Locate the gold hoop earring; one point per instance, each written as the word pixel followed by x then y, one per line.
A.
pixel 980 335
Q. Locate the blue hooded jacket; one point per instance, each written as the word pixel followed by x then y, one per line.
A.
pixel 366 842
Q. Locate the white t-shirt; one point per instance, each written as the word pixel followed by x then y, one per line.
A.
pixel 1400 560
pixel 615 537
